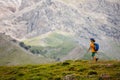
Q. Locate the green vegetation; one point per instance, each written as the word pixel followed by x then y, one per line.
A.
pixel 68 70
pixel 12 54
pixel 54 45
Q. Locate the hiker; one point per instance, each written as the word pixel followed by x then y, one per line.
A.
pixel 93 49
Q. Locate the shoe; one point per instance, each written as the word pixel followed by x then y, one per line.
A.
pixel 97 59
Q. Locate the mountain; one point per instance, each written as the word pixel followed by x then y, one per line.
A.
pixel 12 54
pixel 100 19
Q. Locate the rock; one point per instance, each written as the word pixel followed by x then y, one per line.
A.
pixel 69 77
pixel 105 77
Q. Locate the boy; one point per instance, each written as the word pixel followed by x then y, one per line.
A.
pixel 92 49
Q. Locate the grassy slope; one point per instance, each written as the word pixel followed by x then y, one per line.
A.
pixel 54 45
pixel 12 54
pixel 77 70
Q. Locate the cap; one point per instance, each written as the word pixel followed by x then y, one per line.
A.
pixel 92 39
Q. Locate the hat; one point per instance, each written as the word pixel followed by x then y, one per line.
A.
pixel 92 39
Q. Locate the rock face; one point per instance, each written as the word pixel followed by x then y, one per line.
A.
pixel 84 18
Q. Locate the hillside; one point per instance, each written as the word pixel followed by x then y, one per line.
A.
pixel 12 54
pixel 56 45
pixel 100 19
pixel 68 70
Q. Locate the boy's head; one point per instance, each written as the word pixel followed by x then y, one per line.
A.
pixel 92 39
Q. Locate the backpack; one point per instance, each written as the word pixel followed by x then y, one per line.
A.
pixel 96 46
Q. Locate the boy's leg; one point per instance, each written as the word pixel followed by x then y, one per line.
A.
pixel 94 57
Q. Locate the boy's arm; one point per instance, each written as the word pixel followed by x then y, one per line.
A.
pixel 88 50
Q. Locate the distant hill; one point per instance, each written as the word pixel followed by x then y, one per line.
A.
pixel 56 45
pixel 67 70
pixel 12 54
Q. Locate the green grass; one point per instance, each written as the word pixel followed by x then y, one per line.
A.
pixel 78 70
pixel 54 45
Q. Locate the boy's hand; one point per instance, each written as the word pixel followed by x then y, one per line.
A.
pixel 88 50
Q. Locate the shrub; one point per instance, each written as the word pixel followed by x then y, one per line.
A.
pixel 92 73
pixel 32 51
pixel 72 69
pixel 65 63
pixel 14 40
pixel 21 74
pixel 82 69
pixel 22 44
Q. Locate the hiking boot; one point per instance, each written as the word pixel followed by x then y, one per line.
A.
pixel 97 59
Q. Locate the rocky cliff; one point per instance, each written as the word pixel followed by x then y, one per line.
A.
pixel 83 18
